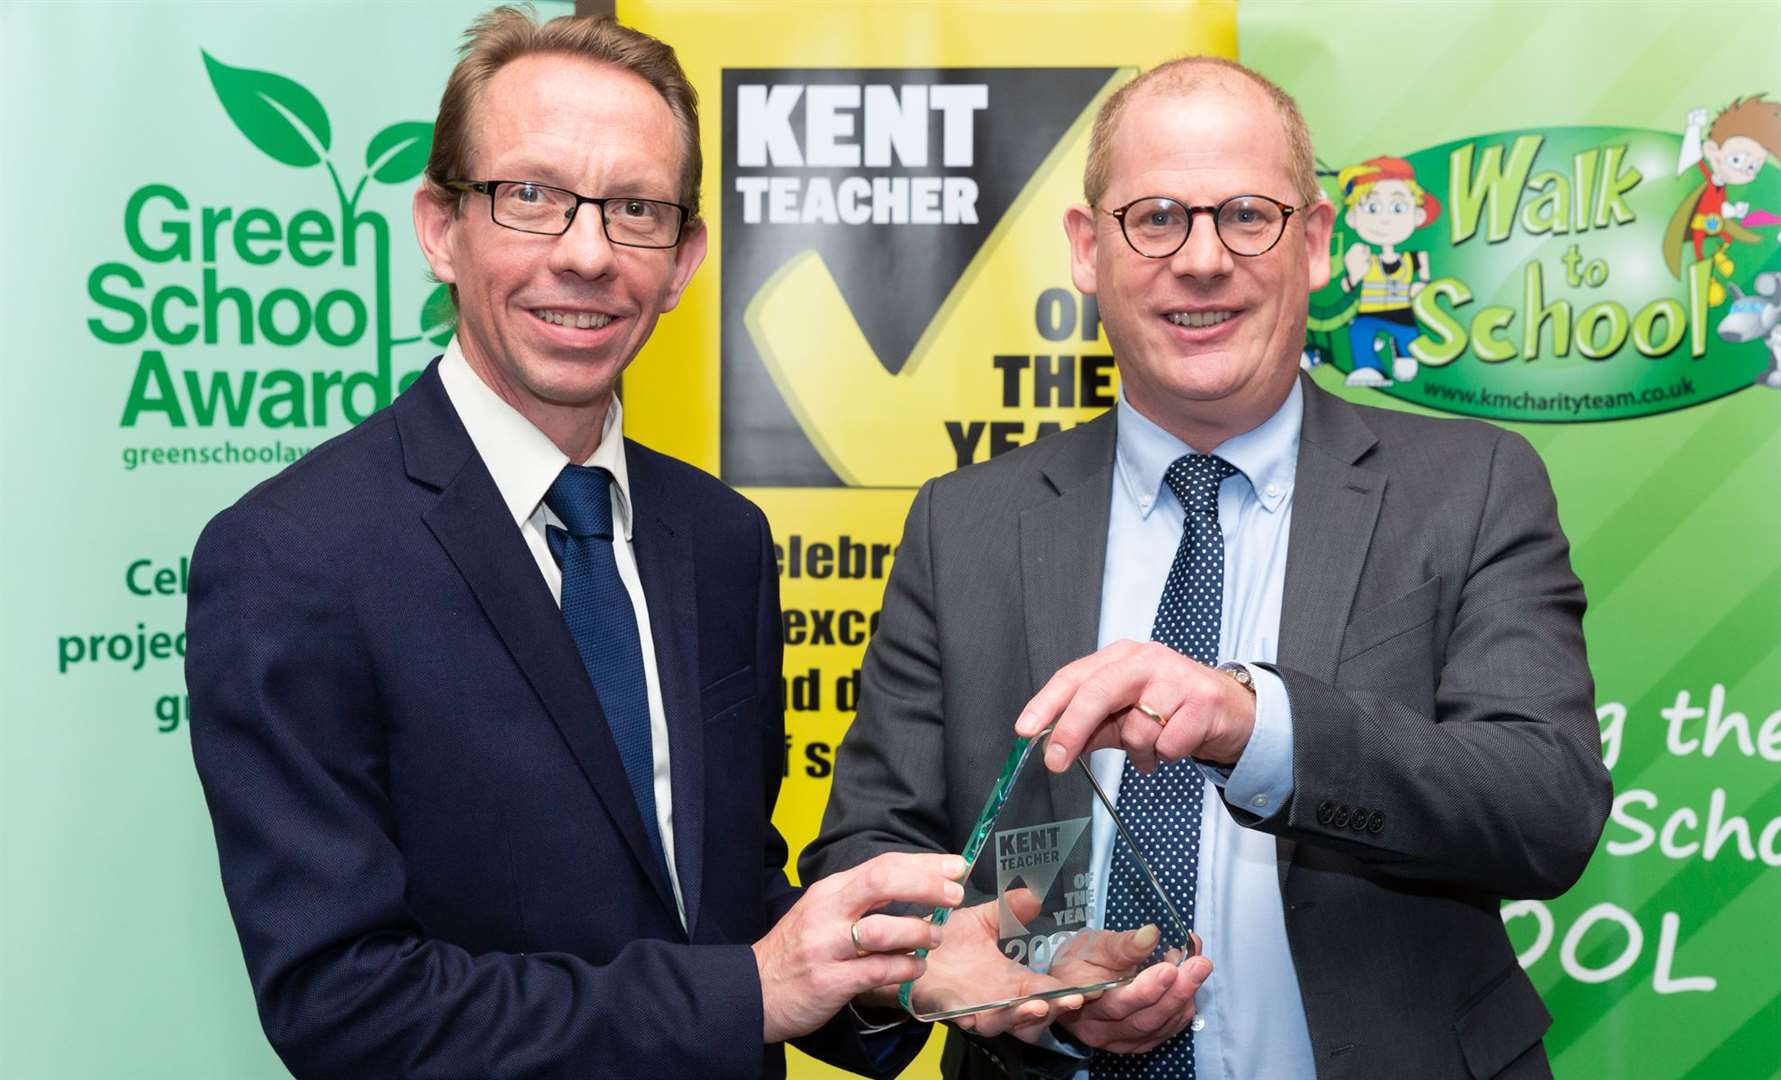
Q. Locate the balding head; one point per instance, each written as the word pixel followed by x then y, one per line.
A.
pixel 1186 77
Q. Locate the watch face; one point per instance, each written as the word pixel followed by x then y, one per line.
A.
pixel 1239 673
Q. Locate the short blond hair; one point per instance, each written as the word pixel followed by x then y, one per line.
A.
pixel 505 34
pixel 1184 76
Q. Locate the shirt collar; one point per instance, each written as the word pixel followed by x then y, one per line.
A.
pixel 1267 454
pixel 521 459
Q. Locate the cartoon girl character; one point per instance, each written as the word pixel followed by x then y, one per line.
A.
pixel 1385 205
pixel 1734 152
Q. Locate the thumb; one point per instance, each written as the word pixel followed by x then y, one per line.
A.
pixel 1132 946
pixel 1115 953
pixel 1022 903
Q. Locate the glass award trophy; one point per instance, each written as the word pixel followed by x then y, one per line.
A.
pixel 1043 932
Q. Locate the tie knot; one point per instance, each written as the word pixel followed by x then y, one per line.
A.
pixel 1194 478
pixel 582 499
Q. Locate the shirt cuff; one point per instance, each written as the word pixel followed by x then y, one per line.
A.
pixel 1261 781
pixel 1050 1039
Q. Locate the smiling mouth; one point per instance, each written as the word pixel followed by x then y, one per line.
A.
pixel 1199 319
pixel 581 320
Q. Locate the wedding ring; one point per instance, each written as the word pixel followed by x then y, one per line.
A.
pixel 854 933
pixel 1161 720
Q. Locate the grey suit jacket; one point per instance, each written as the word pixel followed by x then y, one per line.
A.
pixel 1446 753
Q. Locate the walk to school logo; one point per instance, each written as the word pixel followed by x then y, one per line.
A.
pixel 1561 274
pixel 219 303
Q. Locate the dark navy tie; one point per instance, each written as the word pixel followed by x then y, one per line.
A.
pixel 603 623
pixel 1162 810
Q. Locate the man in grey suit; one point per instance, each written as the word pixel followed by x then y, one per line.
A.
pixel 1402 733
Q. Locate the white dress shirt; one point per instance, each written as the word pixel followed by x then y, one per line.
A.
pixel 525 463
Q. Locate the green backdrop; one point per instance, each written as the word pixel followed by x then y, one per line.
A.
pixel 1657 964
pixel 198 288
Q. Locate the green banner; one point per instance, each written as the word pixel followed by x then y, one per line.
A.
pixel 1516 180
pixel 210 270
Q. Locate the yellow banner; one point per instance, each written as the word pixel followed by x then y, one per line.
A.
pixel 888 293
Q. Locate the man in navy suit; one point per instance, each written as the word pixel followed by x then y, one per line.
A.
pixel 486 698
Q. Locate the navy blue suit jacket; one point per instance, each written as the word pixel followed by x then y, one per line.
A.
pixel 427 841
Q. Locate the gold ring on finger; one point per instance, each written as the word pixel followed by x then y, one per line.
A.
pixel 854 933
pixel 1161 720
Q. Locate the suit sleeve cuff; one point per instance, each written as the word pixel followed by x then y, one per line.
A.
pixel 1261 781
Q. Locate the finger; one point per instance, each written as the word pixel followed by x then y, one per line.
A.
pixel 1111 953
pixel 894 934
pixel 1194 974
pixel 1198 712
pixel 1026 1016
pixel 1168 1012
pixel 1031 1027
pixel 1087 718
pixel 1134 677
pixel 1045 706
pixel 1150 986
pixel 901 876
pixel 1149 1027
pixel 882 969
pixel 1138 734
pixel 1023 903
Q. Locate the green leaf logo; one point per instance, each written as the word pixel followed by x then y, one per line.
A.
pixel 399 152
pixel 439 316
pixel 277 115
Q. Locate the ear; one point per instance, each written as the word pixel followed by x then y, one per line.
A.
pixel 1710 151
pixel 687 258
pixel 1349 217
pixel 1085 244
pixel 1422 217
pixel 1320 218
pixel 433 224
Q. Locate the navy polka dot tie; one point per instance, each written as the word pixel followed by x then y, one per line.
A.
pixel 1162 810
pixel 603 623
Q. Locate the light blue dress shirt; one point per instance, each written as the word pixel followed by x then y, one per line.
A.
pixel 1250 1021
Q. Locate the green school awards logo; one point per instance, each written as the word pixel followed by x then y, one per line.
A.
pixel 218 302
pixel 1561 274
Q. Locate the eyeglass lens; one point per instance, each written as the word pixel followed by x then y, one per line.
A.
pixel 1248 225
pixel 541 209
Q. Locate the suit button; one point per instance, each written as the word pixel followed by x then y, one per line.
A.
pixel 1359 824
pixel 1325 811
pixel 1340 821
pixel 1376 823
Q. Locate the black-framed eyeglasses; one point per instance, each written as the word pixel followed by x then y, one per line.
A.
pixel 1156 226
pixel 530 207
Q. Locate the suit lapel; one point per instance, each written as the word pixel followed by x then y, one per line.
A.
pixel 665 565
pixel 472 524
pixel 1063 545
pixel 1335 508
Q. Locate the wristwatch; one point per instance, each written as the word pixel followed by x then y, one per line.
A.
pixel 1239 672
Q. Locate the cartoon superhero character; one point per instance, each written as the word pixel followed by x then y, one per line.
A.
pixel 1734 151
pixel 1385 205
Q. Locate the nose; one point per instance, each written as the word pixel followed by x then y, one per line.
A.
pixel 584 250
pixel 1204 255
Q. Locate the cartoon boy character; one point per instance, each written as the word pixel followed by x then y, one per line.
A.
pixel 1385 205
pixel 1734 152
